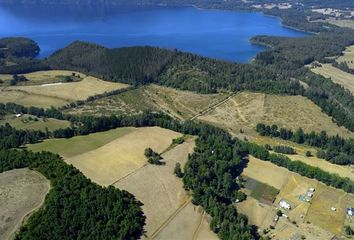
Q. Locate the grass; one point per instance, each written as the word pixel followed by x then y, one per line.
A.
pixel 246 109
pixel 44 95
pixel 264 191
pixel 41 124
pixel 338 76
pixel 179 104
pixel 43 77
pixel 125 154
pixel 80 144
pixel 348 56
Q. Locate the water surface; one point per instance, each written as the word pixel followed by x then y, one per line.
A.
pixel 218 34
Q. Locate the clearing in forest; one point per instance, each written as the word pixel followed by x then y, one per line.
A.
pixel 348 55
pixel 177 103
pixel 35 123
pixel 57 94
pixel 22 191
pixel 336 75
pixel 245 110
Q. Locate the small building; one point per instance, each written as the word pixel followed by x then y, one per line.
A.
pixel 18 115
pixel 312 190
pixel 350 211
pixel 284 204
pixel 333 209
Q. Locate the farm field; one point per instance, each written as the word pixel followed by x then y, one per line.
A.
pixel 25 122
pixel 22 191
pixel 175 217
pixel 348 55
pixel 44 77
pixel 245 110
pixel 179 104
pixel 338 76
pixel 57 94
pixel 81 144
pixel 120 157
pixel 301 149
pixel 315 220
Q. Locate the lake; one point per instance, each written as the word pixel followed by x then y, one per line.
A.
pixel 218 34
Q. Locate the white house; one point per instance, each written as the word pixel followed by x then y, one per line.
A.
pixel 284 204
pixel 18 115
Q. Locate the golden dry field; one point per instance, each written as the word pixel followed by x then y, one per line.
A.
pixel 348 56
pixel 336 75
pixel 245 110
pixel 56 93
pixel 22 192
pixel 35 123
pixel 120 157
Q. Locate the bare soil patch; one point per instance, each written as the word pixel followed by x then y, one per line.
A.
pixel 22 191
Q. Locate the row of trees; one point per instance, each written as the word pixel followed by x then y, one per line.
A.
pixel 336 149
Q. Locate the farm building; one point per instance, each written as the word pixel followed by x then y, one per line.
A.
pixel 350 211
pixel 284 204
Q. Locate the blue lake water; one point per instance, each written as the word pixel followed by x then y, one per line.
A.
pixel 218 34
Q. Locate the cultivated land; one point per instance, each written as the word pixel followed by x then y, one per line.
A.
pixel 179 104
pixel 175 217
pixel 120 157
pixel 116 157
pixel 301 149
pixel 35 123
pixel 348 56
pixel 22 191
pixel 57 93
pixel 44 77
pixel 81 144
pixel 338 76
pixel 245 110
pixel 314 220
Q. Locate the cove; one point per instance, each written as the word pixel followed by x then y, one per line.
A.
pixel 211 33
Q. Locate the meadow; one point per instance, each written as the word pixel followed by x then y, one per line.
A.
pixel 53 92
pixel 31 122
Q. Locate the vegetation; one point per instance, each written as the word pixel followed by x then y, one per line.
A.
pixel 178 170
pixel 153 157
pixel 18 47
pixel 338 150
pixel 177 141
pixel 75 208
pixel 284 149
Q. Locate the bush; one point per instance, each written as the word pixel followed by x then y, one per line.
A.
pixel 284 149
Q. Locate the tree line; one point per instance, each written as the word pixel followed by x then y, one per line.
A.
pixel 335 149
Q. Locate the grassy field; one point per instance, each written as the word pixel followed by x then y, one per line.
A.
pixel 245 110
pixel 264 172
pixel 44 77
pixel 344 171
pixel 179 104
pixel 28 122
pixel 56 94
pixel 123 155
pixel 348 56
pixel 264 191
pixel 338 76
pixel 81 144
pixel 341 22
pixel 314 220
pixel 21 192
pixel 175 217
